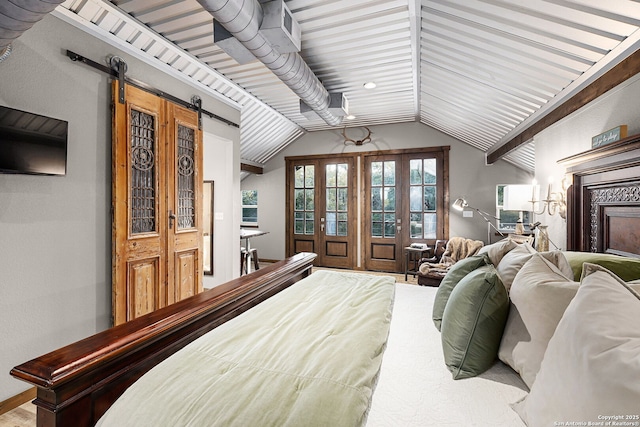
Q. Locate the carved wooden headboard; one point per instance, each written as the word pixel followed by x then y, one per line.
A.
pixel 603 203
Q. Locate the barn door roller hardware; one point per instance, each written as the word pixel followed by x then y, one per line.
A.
pixel 118 69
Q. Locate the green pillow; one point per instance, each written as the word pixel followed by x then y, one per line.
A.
pixel 625 268
pixel 473 323
pixel 457 271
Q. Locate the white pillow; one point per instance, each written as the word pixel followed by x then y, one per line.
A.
pixel 512 262
pixel 540 294
pixel 558 259
pixel 592 364
pixel 497 250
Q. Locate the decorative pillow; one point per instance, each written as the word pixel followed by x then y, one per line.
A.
pixel 473 322
pixel 591 367
pixel 558 259
pixel 625 268
pixel 512 262
pixel 497 250
pixel 539 296
pixel 457 271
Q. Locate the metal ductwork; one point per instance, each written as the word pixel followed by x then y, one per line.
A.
pixel 243 18
pixel 17 16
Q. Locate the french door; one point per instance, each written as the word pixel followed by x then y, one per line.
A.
pixel 321 197
pixel 156 198
pixel 364 220
pixel 405 202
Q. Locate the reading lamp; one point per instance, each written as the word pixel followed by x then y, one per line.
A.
pixel 461 203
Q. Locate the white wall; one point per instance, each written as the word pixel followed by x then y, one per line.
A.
pixel 222 165
pixel 469 177
pixel 55 232
pixel 573 134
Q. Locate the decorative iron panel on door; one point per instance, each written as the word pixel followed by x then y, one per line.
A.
pixel 143 172
pixel 186 178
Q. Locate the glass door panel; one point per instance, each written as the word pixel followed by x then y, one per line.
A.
pixel 423 198
pixel 337 193
pixel 381 234
pixel 304 200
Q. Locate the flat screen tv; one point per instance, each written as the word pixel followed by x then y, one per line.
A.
pixel 32 144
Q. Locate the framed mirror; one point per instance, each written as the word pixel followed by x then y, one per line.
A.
pixel 207 227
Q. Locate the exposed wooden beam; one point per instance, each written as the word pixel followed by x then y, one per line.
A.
pixel 251 168
pixel 626 69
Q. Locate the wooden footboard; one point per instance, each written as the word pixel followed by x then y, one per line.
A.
pixel 78 383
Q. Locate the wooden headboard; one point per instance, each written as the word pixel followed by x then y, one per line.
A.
pixel 603 202
pixel 76 384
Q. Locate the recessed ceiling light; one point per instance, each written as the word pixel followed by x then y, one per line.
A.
pixel 370 85
pixel 350 117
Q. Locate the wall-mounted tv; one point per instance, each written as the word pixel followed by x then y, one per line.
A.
pixel 32 144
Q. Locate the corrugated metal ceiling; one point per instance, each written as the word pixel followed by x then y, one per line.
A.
pixel 480 71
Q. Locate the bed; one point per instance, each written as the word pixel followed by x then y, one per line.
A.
pixel 410 382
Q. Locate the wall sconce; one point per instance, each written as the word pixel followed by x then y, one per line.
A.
pixel 556 202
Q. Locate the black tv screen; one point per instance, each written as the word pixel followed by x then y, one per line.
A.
pixel 32 144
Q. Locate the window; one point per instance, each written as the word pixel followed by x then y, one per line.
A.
pixel 422 198
pixel 508 219
pixel 304 199
pixel 250 207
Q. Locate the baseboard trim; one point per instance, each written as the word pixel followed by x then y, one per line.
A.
pixel 17 400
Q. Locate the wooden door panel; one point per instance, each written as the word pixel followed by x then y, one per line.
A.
pixel 186 268
pixel 383 251
pixel 304 246
pixel 336 249
pixel 143 287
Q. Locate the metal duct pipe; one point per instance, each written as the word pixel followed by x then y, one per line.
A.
pixel 17 16
pixel 242 18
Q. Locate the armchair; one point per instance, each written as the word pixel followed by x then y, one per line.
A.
pixel 446 253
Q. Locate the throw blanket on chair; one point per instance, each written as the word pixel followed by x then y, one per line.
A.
pixel 457 248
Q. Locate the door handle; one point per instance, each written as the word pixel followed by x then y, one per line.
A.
pixel 172 216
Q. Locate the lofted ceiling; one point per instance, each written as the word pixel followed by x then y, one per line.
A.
pixel 481 71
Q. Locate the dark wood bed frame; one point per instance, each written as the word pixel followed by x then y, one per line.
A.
pixel 76 384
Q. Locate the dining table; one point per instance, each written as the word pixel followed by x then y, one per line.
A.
pixel 247 234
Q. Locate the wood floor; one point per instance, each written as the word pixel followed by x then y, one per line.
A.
pixel 22 416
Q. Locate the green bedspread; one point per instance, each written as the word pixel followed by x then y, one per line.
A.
pixel 308 356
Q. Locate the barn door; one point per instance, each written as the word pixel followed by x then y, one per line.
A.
pixel 156 200
pixel 184 195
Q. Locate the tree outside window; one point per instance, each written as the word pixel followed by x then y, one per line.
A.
pixel 250 207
